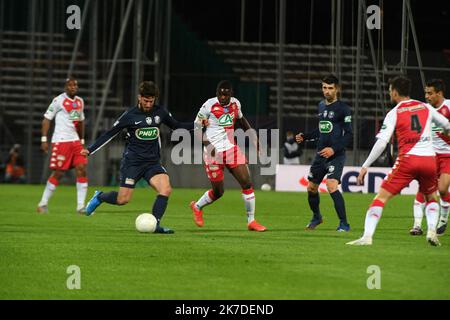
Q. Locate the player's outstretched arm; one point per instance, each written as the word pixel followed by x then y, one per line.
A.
pixel 119 125
pixel 311 136
pixel 174 124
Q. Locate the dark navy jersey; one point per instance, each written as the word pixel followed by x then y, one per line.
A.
pixel 143 141
pixel 335 127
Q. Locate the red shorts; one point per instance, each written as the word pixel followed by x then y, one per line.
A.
pixel 231 158
pixel 408 168
pixel 66 155
pixel 443 163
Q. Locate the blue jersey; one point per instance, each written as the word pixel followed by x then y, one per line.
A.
pixel 143 144
pixel 335 127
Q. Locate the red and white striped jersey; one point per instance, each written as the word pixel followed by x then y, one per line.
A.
pixel 441 142
pixel 412 122
pixel 67 113
pixel 220 132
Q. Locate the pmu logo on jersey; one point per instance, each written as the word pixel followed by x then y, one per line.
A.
pixel 226 120
pixel 147 133
pixel 325 126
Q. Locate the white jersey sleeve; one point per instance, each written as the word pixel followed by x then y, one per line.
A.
pixel 204 112
pixel 53 109
pixel 388 127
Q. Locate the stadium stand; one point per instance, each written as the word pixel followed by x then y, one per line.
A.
pixel 18 90
pixel 304 67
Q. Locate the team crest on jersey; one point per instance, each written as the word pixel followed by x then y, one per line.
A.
pixel 331 169
pixel 157 120
pixel 226 120
pixel 149 120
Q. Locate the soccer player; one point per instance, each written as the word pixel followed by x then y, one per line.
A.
pixel 222 113
pixel 67 141
pixel 334 135
pixel 434 93
pixel 141 156
pixel 412 122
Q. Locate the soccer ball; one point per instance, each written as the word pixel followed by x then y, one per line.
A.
pixel 266 187
pixel 146 222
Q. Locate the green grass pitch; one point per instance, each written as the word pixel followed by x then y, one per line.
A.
pixel 222 260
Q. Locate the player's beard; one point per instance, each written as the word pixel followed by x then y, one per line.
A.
pixel 146 110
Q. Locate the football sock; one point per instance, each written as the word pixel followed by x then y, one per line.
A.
pixel 339 206
pixel 314 200
pixel 373 215
pixel 206 199
pixel 419 207
pixel 418 213
pixel 432 213
pixel 159 207
pixel 249 199
pixel 109 197
pixel 52 183
pixel 82 187
pixel 445 206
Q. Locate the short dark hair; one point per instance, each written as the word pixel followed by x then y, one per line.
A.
pixel 224 84
pixel 148 89
pixel 437 84
pixel 70 78
pixel 402 85
pixel 331 79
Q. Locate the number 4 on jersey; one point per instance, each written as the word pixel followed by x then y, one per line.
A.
pixel 415 123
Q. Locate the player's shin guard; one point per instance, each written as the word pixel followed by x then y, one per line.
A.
pixel 249 199
pixel 314 201
pixel 432 213
pixel 82 187
pixel 445 207
pixel 419 207
pixel 109 197
pixel 339 206
pixel 373 215
pixel 159 207
pixel 52 183
pixel 207 198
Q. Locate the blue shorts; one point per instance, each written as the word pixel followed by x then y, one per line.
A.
pixel 321 167
pixel 130 174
